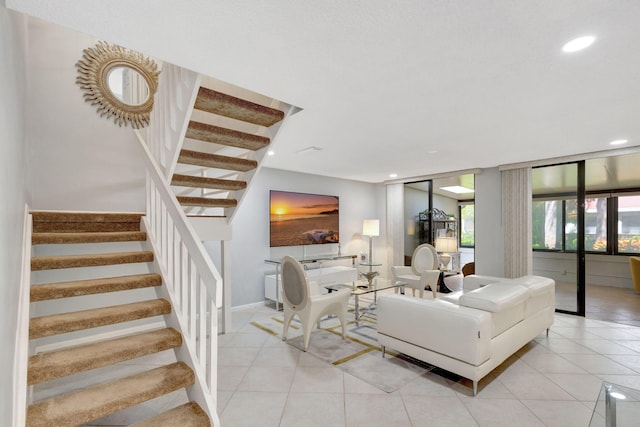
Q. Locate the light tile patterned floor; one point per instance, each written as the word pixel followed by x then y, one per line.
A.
pixel 553 381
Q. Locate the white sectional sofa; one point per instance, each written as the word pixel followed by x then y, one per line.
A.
pixel 469 332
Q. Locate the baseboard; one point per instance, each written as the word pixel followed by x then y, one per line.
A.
pixel 247 306
pixel 99 337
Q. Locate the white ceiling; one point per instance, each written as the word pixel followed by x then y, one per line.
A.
pixel 412 87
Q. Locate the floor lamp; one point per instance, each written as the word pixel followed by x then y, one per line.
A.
pixel 371 228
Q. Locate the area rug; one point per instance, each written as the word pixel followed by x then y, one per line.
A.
pixel 359 355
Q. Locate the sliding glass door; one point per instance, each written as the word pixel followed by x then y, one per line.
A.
pixel 558 232
pixel 418 200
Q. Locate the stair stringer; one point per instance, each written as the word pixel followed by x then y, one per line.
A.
pixel 273 133
pixel 199 392
pixel 173 105
pixel 22 393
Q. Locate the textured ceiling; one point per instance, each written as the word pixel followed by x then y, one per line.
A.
pixel 412 87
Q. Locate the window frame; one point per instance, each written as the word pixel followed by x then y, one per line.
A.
pixel 611 223
pixel 460 204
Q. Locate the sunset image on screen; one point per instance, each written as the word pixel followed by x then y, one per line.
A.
pixel 303 219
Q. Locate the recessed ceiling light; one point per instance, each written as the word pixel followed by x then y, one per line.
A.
pixel 393 175
pixel 578 44
pixel 619 142
pixel 457 189
pixel 432 151
pixel 270 153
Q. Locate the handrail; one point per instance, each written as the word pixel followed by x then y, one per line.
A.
pixel 193 283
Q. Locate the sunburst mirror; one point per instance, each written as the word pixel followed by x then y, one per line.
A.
pixel 120 82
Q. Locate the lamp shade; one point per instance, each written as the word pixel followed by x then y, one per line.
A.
pixel 447 244
pixel 371 227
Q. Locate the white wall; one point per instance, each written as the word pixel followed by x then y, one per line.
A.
pixel 250 244
pixel 80 160
pixel 14 184
pixel 489 257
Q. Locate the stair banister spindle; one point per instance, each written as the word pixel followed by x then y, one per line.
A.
pixel 212 377
pixel 163 234
pixel 202 299
pixel 192 302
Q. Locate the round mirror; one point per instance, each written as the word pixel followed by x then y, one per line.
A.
pixel 128 85
pixel 121 83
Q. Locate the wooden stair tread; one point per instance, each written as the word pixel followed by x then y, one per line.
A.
pixel 188 415
pixel 49 291
pixel 89 260
pixel 54 221
pixel 205 182
pixel 64 216
pixel 49 366
pixel 87 237
pixel 217 161
pixel 55 324
pixel 229 106
pixel 207 202
pixel 104 399
pixel 228 137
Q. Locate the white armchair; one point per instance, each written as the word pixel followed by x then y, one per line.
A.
pixel 423 271
pixel 303 298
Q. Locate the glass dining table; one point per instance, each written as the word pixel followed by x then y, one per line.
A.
pixel 361 287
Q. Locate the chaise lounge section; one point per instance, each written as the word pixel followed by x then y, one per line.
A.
pixel 475 330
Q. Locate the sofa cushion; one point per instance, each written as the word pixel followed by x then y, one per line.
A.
pixel 458 332
pixel 475 281
pixel 537 285
pixel 452 297
pixel 495 297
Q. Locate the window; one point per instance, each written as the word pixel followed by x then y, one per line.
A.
pixel 547 224
pixel 467 220
pixel 555 225
pixel 629 224
pixel 595 224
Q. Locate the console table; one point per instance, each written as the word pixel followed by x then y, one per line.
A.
pixel 322 275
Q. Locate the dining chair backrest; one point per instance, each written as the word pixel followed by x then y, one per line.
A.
pixel 424 258
pixel 294 283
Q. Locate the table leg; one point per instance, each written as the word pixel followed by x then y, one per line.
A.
pixel 355 311
pixel 277 287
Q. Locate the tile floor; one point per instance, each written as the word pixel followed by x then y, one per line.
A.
pixel 619 305
pixel 553 381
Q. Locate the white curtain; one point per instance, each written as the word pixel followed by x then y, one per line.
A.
pixel 516 218
pixel 395 225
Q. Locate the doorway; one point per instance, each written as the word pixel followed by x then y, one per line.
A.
pixel 442 207
pixel 611 235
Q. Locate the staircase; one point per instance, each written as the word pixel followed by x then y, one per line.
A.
pixel 225 140
pixel 94 375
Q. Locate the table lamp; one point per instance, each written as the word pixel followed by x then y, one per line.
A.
pixel 446 245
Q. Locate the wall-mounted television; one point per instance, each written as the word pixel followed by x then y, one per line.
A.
pixel 303 219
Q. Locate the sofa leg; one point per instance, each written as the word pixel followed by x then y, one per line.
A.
pixel 383 351
pixel 475 388
pixel 547 332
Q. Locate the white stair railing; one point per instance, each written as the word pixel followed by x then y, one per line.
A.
pixel 193 283
pixel 172 107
